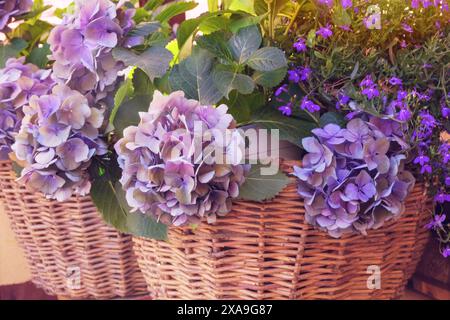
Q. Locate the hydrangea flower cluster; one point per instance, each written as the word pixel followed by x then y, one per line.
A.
pixel 82 46
pixel 18 82
pixel 58 138
pixel 353 178
pixel 10 9
pixel 162 174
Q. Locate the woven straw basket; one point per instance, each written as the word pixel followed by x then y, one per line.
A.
pixel 70 250
pixel 268 251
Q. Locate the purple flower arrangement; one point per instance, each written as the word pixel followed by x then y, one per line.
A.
pixel 82 46
pixel 353 178
pixel 18 82
pixel 11 9
pixel 162 176
pixel 58 138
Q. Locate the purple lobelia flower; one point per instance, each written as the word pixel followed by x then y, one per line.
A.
pixel 353 178
pixel 82 46
pixel 12 9
pixel 58 137
pixel 325 32
pixel 162 175
pixel 446 252
pixel 18 82
pixel 300 45
pixel 308 105
pixel 346 4
pixel 436 222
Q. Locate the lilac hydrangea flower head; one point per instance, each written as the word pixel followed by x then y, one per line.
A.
pixel 82 46
pixel 18 82
pixel 10 9
pixel 353 178
pixel 161 174
pixel 58 138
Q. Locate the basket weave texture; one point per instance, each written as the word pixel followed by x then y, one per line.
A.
pixel 70 250
pixel 268 251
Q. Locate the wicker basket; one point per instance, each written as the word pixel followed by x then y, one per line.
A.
pixel 70 250
pixel 267 251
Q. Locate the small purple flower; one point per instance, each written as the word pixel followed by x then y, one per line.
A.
pixel 370 92
pixel 286 109
pixel 367 82
pixel 346 4
pixel 304 73
pixel 415 4
pixel 300 45
pixel 442 197
pixel 395 81
pixel 426 169
pixel 404 115
pixel 445 111
pixel 446 252
pixel 401 95
pixel 406 27
pixel 293 76
pixel 280 90
pixel 328 3
pixel 308 105
pixel 447 181
pixel 373 21
pixel 436 222
pixel 427 120
pixel 325 32
pixel 422 159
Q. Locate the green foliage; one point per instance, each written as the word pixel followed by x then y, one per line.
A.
pixel 260 187
pixel 109 198
pixel 11 50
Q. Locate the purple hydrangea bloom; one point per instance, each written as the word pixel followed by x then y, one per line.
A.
pixel 58 138
pixel 18 82
pixel 11 9
pixel 82 46
pixel 353 178
pixel 161 175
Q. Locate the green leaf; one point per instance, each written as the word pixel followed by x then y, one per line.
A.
pixel 291 129
pixel 238 24
pixel 11 50
pixel 332 117
pixel 124 91
pixel 153 4
pixel 311 38
pixel 214 23
pixel 146 28
pixel 141 83
pixel 341 17
pixel 267 59
pixel 259 187
pixel 217 45
pixel 109 198
pixel 39 56
pixel 174 9
pixel 269 79
pixel 242 106
pixel 244 43
pixel 128 113
pixel 187 28
pixel 194 77
pixel 226 81
pixel 154 61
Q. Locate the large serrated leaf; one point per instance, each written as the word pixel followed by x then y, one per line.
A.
pixel 267 59
pixel 269 79
pixel 145 28
pixel 174 9
pixel 291 129
pixel 128 112
pixel 244 43
pixel 259 187
pixel 154 61
pixel 194 77
pixel 227 81
pixel 109 199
